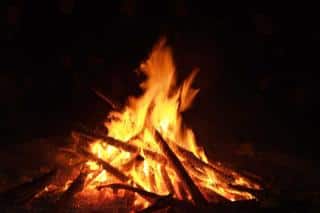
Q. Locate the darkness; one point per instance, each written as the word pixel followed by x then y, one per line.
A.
pixel 257 67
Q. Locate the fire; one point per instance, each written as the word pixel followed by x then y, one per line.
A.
pixel 159 109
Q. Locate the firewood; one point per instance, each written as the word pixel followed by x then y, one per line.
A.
pixel 212 196
pixel 112 103
pixel 152 180
pixel 171 204
pixel 159 204
pixel 136 159
pixel 109 168
pixel 93 177
pixel 149 196
pixel 218 170
pixel 70 151
pixel 66 199
pixel 181 191
pixel 166 179
pixel 25 192
pixel 223 172
pixel 125 146
pixel 188 183
pixel 259 194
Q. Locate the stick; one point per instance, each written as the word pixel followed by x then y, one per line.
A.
pixel 195 193
pixel 218 170
pixel 213 196
pixel 125 147
pixel 136 159
pixel 109 168
pixel 113 104
pixel 67 197
pixel 150 196
pixel 94 176
pixel 222 172
pixel 159 204
pixel 25 192
pixel 181 191
pixel 171 203
pixel 152 180
pixel 166 179
pixel 257 193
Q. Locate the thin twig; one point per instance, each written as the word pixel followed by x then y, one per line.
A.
pixel 106 99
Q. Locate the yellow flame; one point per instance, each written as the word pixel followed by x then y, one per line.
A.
pixel 159 107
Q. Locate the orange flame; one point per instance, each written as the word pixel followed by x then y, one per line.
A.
pixel 160 107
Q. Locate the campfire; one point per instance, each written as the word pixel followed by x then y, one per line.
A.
pixel 146 155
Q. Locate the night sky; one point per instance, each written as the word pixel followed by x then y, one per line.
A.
pixel 257 66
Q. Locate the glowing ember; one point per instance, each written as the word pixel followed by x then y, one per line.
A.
pixel 159 109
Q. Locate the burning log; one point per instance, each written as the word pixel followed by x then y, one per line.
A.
pixel 172 205
pixel 24 193
pixel 150 196
pixel 159 204
pixel 195 193
pixel 67 197
pixel 70 151
pixel 200 164
pixel 213 196
pixel 125 146
pixel 93 177
pixel 257 193
pixel 181 191
pixel 222 172
pixel 136 159
pixel 152 180
pixel 109 168
pixel 166 179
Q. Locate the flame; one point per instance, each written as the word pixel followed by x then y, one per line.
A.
pixel 160 107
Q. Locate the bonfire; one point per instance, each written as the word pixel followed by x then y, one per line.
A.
pixel 146 154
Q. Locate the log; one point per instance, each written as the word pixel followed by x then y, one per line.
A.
pixel 259 194
pixel 109 168
pixel 222 172
pixel 70 151
pixel 159 204
pixel 218 170
pixel 213 196
pixel 25 192
pixel 188 183
pixel 136 159
pixel 152 180
pixel 171 205
pixel 125 146
pixel 66 198
pixel 166 179
pixel 149 196
pixel 181 191
pixel 95 174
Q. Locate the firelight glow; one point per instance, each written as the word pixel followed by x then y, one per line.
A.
pixel 159 108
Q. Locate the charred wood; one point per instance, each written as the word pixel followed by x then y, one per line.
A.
pixel 150 196
pixel 109 168
pixel 67 197
pixel 124 146
pixel 167 179
pixel 135 160
pixel 26 191
pixel 188 183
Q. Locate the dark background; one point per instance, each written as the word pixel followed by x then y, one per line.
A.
pixel 257 67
